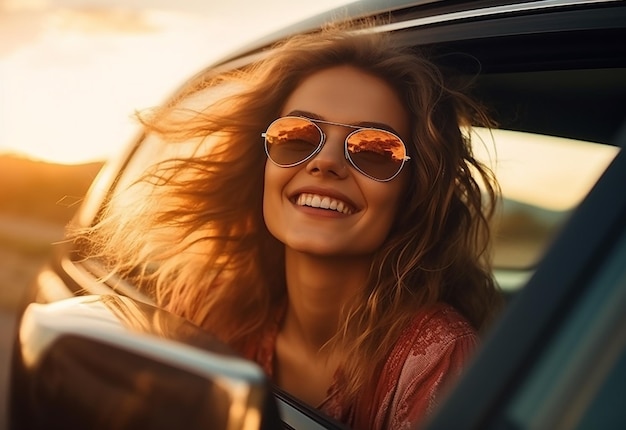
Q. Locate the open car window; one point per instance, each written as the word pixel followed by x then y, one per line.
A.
pixel 543 179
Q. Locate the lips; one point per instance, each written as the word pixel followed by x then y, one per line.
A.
pixel 324 202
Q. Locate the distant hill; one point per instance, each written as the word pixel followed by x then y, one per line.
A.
pixel 43 191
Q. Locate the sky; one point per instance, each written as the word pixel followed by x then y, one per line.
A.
pixel 73 72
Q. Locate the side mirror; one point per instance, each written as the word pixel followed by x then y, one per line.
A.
pixel 108 362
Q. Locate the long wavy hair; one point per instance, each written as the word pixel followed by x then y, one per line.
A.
pixel 198 240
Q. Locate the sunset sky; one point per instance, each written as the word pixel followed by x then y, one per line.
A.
pixel 73 72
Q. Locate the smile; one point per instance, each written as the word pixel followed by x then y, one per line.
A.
pixel 323 202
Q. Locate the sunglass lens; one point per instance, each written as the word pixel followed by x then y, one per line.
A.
pixel 291 140
pixel 377 153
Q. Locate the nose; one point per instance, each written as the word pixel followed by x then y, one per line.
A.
pixel 331 160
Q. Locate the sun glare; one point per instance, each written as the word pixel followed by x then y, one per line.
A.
pixel 71 79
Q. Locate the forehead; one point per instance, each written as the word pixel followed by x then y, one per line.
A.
pixel 349 95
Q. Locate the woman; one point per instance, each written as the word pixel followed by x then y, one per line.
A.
pixel 335 232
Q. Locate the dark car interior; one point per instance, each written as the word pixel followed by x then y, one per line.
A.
pixel 562 74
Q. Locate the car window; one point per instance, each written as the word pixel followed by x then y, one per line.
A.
pixel 543 179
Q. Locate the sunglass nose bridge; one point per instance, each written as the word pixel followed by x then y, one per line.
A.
pixel 332 148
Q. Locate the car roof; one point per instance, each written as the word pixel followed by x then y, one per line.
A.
pixel 402 14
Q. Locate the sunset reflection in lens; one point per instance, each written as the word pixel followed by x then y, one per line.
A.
pixel 290 140
pixel 377 153
pixel 378 142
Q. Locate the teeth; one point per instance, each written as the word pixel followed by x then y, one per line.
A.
pixel 324 202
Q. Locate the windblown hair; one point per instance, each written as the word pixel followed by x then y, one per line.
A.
pixel 199 241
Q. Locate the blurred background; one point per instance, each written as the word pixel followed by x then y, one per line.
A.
pixel 72 74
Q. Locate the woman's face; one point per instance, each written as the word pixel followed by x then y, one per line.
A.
pixel 292 196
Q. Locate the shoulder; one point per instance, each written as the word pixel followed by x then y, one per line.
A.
pixel 436 327
pixel 434 334
pixel 431 352
pixel 438 340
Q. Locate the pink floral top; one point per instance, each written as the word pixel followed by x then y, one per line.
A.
pixel 429 354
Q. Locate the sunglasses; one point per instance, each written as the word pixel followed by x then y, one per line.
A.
pixel 377 154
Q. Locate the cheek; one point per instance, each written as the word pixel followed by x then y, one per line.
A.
pixel 389 210
pixel 379 222
pixel 390 200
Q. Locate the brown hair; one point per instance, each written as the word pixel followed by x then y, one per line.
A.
pixel 200 241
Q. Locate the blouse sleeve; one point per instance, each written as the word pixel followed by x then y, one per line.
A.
pixel 429 356
pixel 425 377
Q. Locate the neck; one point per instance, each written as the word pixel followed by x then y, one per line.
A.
pixel 318 289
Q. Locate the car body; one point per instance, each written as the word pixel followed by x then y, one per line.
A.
pixel 557 356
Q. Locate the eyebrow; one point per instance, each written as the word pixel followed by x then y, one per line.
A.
pixel 362 124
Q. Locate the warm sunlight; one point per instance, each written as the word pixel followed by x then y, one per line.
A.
pixel 71 77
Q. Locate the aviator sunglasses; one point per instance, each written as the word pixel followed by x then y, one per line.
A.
pixel 376 153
